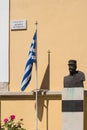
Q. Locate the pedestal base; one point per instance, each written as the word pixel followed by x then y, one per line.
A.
pixel 72 121
pixel 72 109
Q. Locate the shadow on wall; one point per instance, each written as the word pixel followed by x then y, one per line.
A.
pixel 45 85
pixel 43 101
pixel 46 79
pixel 85 111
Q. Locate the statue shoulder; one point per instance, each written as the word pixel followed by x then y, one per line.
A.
pixel 66 77
pixel 80 72
pixel 82 75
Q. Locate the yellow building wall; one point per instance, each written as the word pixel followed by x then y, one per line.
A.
pixel 62 29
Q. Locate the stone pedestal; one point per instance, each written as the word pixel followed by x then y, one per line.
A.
pixel 72 108
pixel 4 86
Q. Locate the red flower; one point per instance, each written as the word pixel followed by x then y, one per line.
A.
pixel 12 117
pixel 5 120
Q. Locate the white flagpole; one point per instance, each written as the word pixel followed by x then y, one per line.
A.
pixel 36 81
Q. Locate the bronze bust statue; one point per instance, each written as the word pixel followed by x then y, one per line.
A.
pixel 75 77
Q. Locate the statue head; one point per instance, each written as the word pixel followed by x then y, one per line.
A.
pixel 72 66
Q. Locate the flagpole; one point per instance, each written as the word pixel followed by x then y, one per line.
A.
pixel 36 80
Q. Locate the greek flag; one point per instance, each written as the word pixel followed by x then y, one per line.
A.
pixel 28 68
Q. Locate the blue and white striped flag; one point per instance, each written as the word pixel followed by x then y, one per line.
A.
pixel 28 68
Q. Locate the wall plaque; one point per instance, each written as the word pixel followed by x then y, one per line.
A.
pixel 18 25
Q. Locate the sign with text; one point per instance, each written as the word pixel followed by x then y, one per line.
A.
pixel 18 25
